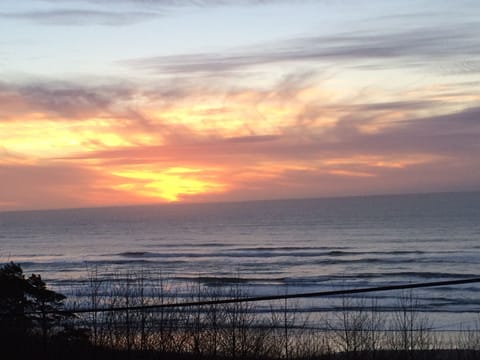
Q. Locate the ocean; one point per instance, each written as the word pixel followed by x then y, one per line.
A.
pixel 271 247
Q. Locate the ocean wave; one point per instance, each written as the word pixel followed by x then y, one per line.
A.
pixel 253 253
pixel 134 254
pixel 432 275
pixel 192 244
pixel 219 280
pixel 291 248
pixel 41 255
pixel 66 266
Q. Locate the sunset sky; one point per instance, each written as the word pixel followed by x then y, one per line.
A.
pixel 148 101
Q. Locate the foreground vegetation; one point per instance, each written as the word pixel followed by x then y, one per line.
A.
pixel 36 322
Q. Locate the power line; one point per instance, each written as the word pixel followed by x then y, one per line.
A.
pixel 274 297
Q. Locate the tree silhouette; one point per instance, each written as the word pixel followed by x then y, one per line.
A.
pixel 13 299
pixel 45 304
pixel 27 303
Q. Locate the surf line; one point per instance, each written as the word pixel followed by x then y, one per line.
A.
pixel 270 297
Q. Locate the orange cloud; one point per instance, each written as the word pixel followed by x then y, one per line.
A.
pixel 87 149
pixel 350 173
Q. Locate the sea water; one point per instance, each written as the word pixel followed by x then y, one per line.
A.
pixel 271 247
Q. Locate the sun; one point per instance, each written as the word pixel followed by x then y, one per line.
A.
pixel 169 184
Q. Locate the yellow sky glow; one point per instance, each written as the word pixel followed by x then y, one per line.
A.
pixel 170 184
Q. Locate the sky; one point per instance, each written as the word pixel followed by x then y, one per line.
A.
pixel 106 103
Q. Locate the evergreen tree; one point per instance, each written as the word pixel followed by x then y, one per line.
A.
pixel 13 296
pixel 45 305
pixel 27 303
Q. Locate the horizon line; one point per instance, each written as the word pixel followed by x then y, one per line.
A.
pixel 182 203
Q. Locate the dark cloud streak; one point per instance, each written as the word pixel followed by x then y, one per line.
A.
pixel 419 47
pixel 70 101
pixel 180 3
pixel 73 17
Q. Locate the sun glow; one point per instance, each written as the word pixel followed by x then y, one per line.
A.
pixel 170 184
